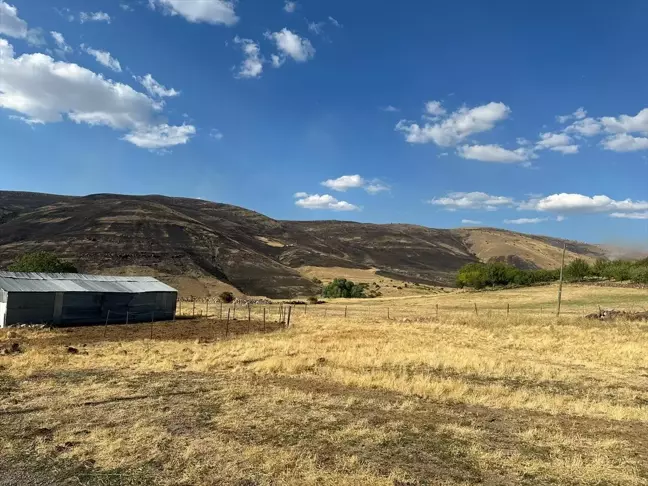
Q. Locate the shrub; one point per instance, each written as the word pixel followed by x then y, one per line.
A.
pixel 226 297
pixel 313 300
pixel 341 288
pixel 41 261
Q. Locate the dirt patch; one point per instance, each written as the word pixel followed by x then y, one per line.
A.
pixel 613 315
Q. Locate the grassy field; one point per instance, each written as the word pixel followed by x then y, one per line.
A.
pixel 462 399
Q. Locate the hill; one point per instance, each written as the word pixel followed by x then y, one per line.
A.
pixel 220 246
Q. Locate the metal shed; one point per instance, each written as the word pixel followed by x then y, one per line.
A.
pixel 69 298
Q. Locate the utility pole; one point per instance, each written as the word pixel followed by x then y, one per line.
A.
pixel 562 268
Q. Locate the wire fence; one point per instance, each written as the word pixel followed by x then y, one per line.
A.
pixel 278 311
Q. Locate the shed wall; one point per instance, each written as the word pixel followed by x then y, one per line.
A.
pixel 89 307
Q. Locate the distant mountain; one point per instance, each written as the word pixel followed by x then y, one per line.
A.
pixel 247 250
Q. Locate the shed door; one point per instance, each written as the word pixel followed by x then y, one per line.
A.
pixel 3 313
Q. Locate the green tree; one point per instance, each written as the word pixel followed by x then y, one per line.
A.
pixel 41 261
pixel 341 288
pixel 577 270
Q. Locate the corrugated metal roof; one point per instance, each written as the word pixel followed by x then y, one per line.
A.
pixel 74 282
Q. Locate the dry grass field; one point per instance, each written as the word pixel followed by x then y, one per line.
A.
pixel 462 399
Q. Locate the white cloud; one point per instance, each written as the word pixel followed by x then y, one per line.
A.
pixel 525 220
pixel 579 114
pixel 316 27
pixel 390 109
pixel 643 215
pixel 626 123
pixel 472 200
pixel 290 7
pixel 104 57
pixel 12 25
pixel 587 127
pixel 94 17
pixel 197 11
pixel 560 218
pixel 623 142
pixel 63 47
pixel 375 187
pixel 558 142
pixel 252 65
pixel 579 203
pixel 216 134
pixel 434 108
pixel 277 61
pixel 457 126
pixel 335 22
pixel 125 7
pixel 344 182
pixel 156 89
pixel 470 221
pixel 292 45
pixel 494 153
pixel 160 136
pixel 42 90
pixel 315 201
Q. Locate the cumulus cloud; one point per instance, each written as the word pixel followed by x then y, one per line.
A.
pixel 216 134
pixel 579 203
pixel 160 136
pixel 627 123
pixel 104 57
pixel 470 221
pixel 587 127
pixel 457 126
pixel 494 153
pixel 390 109
pixel 472 200
pixel 63 47
pixel 558 142
pixel 623 142
pixel 200 11
pixel 346 182
pixel 326 201
pixel 252 65
pixel 156 89
pixel 12 25
pixel 641 215
pixel 579 114
pixel 525 220
pixel 292 45
pixel 290 7
pixel 42 90
pixel 94 17
pixel 434 108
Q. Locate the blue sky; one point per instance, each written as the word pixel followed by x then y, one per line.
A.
pixel 521 115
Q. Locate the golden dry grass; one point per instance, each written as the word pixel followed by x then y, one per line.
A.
pixel 464 399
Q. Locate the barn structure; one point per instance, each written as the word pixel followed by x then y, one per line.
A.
pixel 68 298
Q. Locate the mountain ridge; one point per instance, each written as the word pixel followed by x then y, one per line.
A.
pixel 253 253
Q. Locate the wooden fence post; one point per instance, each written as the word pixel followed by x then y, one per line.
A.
pixel 152 320
pixel 106 326
pixel 234 313
pixel 249 314
pixel 476 311
pixel 127 317
pixel 508 309
pixel 193 312
pixel 227 323
pixel 264 319
pixel 345 311
pixel 305 308
pixel 289 313
pixel 437 311
pixel 387 313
